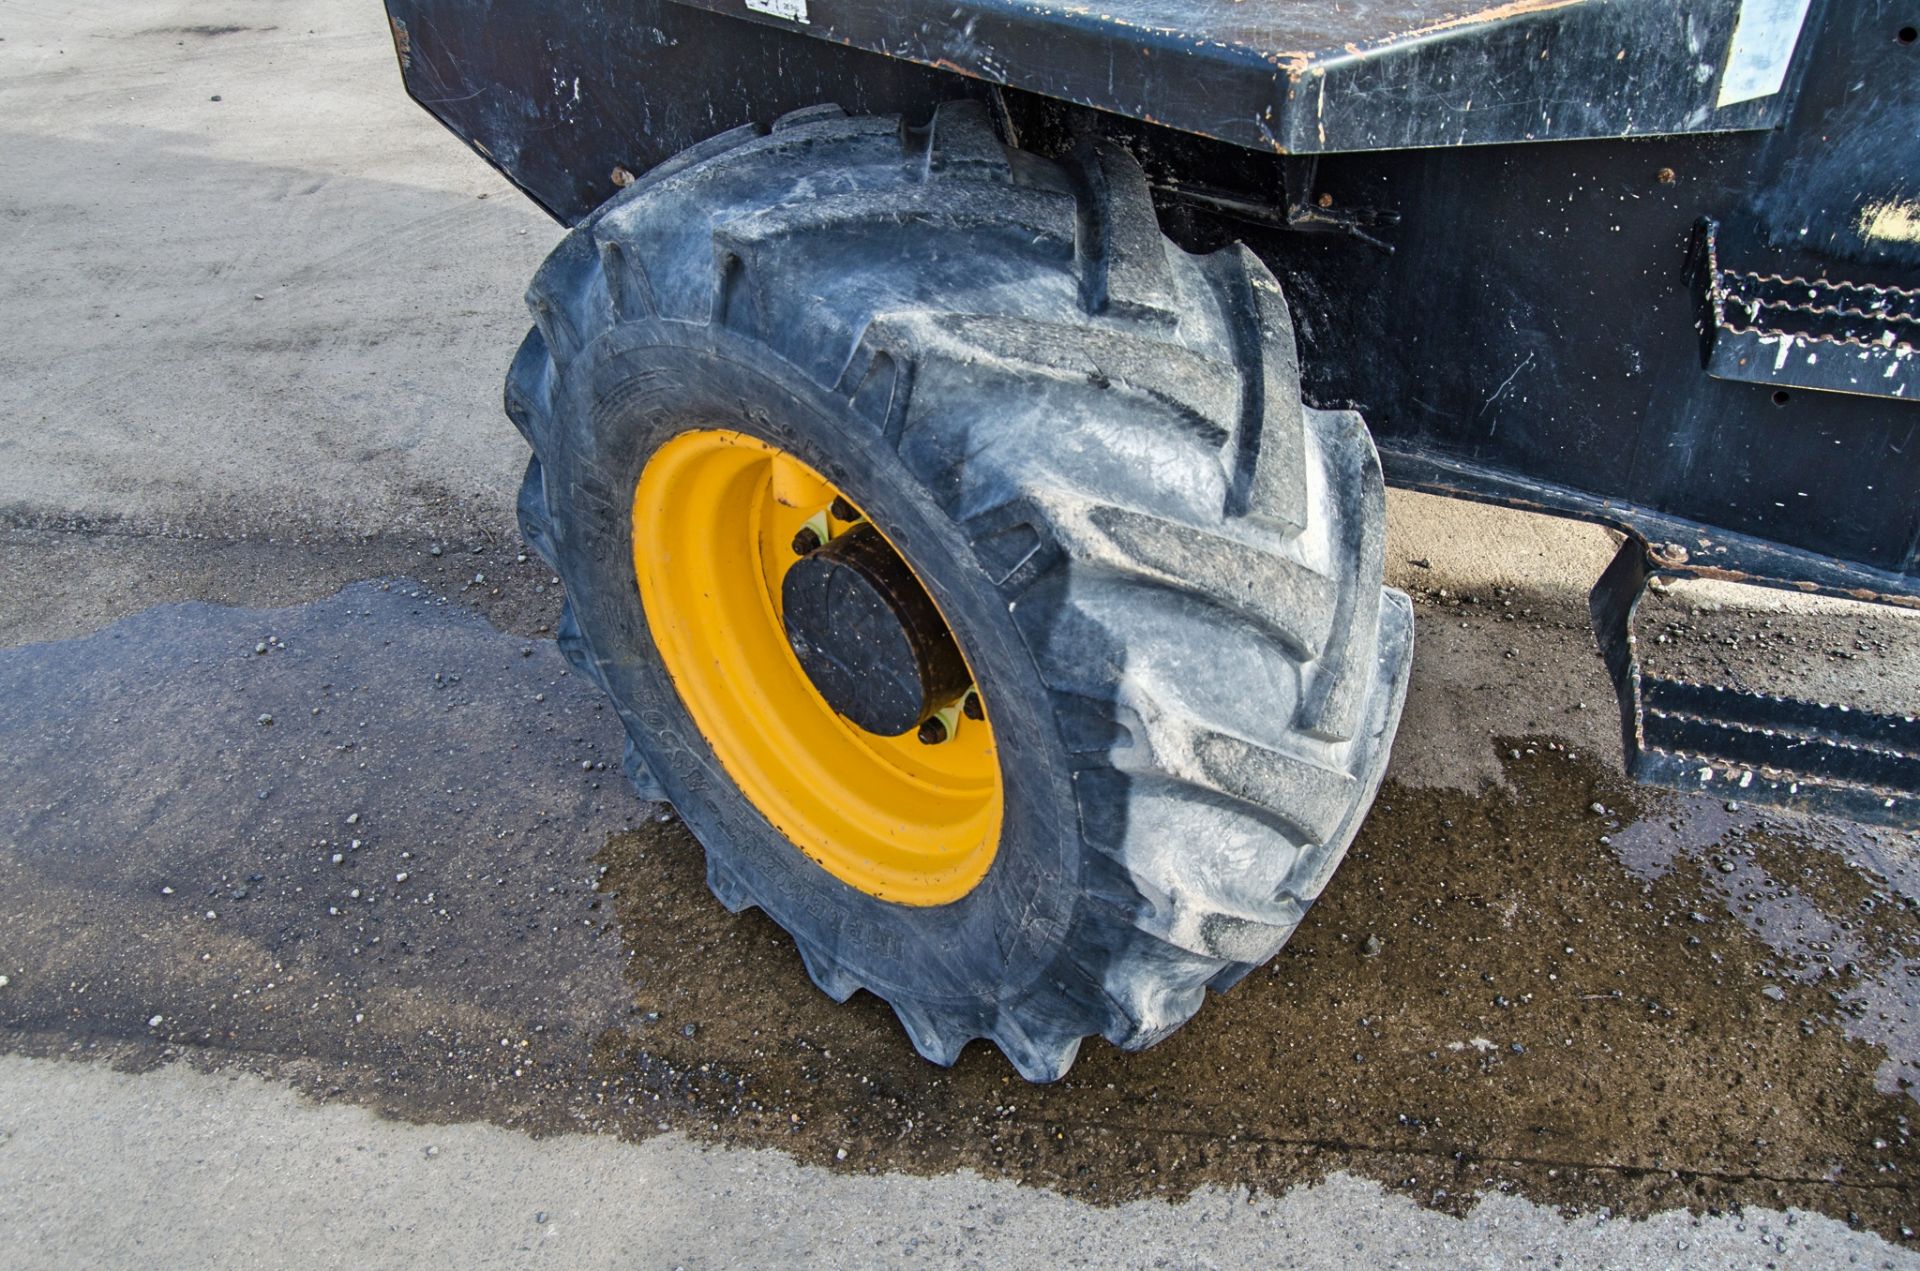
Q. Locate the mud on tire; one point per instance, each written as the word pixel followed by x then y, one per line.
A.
pixel 1091 446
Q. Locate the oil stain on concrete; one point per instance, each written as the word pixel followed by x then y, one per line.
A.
pixel 389 859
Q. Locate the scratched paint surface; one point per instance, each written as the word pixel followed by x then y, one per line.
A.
pixel 1323 78
pixel 1295 31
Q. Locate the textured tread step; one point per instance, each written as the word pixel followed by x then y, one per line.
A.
pixel 961 143
pixel 1122 253
pixel 1334 701
pixel 952 204
pixel 1297 604
pixel 1202 389
pixel 1269 461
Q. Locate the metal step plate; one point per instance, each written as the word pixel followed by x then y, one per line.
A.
pixel 1821 333
pixel 1750 746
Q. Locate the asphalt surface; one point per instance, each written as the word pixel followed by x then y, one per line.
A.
pixel 327 926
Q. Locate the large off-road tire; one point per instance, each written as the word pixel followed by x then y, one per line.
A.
pixel 1164 572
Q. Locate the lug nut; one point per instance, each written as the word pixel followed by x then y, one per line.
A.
pixel 843 510
pixel 806 540
pixel 970 705
pixel 934 731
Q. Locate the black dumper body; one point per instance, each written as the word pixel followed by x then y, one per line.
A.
pixel 1651 263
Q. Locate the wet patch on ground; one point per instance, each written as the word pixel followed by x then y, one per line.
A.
pixel 1513 992
pixel 63 583
pixel 1839 918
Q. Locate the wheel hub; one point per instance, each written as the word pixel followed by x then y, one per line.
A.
pixel 805 648
pixel 868 636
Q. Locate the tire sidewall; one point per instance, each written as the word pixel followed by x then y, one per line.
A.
pixel 635 388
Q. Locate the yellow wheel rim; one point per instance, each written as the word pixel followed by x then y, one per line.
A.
pixel 715 514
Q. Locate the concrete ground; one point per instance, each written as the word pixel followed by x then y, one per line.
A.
pixel 355 950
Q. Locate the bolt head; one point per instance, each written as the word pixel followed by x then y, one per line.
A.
pixel 807 540
pixel 933 732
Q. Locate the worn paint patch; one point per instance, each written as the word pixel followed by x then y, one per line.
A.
pixel 1495 13
pixel 1764 37
pixel 791 10
pixel 402 43
pixel 1890 221
pixel 1297 63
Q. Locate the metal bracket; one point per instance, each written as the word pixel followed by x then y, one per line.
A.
pixel 1755 747
pixel 1298 209
pixel 1309 212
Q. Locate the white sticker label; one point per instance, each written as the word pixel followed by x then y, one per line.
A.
pixel 796 10
pixel 1763 39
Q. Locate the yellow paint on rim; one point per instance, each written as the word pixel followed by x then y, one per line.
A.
pixel 714 517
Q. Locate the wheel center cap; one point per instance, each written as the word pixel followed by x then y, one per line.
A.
pixel 868 636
